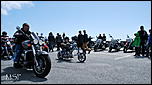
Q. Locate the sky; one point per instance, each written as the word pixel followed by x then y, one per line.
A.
pixel 118 18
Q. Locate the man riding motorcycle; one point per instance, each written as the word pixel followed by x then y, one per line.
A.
pixel 5 47
pixel 19 38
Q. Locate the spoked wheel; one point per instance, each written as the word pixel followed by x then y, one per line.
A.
pixel 125 50
pixel 110 49
pixel 43 67
pixel 95 48
pixel 82 57
pixel 59 55
pixel 103 47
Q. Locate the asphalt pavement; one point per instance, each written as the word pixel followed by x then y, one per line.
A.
pixel 100 67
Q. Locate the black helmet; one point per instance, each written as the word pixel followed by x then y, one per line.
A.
pixel 4 33
pixel 66 38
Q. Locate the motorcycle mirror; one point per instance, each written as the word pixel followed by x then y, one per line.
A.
pixel 127 36
pixel 110 35
pixel 17 27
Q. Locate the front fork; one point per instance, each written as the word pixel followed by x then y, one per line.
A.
pixel 34 53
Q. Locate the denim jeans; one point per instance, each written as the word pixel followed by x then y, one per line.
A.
pixel 17 54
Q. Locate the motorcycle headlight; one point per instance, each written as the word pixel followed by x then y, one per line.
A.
pixel 104 41
pixel 35 41
pixel 8 43
pixel 40 42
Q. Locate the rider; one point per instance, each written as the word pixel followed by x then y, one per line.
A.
pixel 99 37
pixel 66 44
pixel 104 37
pixel 19 38
pixel 4 37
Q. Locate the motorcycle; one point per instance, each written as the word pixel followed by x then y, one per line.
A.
pixel 128 44
pixel 114 44
pixel 6 49
pixel 100 44
pixel 45 46
pixel 90 42
pixel 67 53
pixel 33 57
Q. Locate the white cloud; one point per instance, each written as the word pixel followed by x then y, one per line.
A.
pixel 9 5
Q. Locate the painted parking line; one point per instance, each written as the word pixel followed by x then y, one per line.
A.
pixel 118 58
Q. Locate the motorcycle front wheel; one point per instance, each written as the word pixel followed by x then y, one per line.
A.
pixel 125 50
pixel 44 66
pixel 59 55
pixel 82 57
pixel 110 49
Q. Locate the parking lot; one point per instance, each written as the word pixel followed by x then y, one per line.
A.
pixel 100 68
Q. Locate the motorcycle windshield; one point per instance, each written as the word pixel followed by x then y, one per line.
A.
pixel 35 36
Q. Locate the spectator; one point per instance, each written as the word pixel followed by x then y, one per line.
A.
pixel 51 40
pixel 143 36
pixel 80 41
pixel 85 42
pixel 136 43
pixel 149 44
pixel 58 41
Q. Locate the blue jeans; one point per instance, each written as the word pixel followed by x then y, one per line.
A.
pixel 17 54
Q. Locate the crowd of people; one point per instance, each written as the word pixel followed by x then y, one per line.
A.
pixel 142 41
pixel 82 41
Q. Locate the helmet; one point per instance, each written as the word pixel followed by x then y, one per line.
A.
pixel 4 33
pixel 66 38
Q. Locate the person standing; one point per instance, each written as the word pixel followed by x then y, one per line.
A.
pixel 136 44
pixel 143 36
pixel 58 41
pixel 85 42
pixel 80 41
pixel 149 44
pixel 51 40
pixel 63 36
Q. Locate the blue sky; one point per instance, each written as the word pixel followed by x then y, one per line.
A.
pixel 117 18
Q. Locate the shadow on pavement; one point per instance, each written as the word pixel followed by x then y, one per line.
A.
pixel 114 51
pixel 141 57
pixel 130 51
pixel 25 75
pixel 64 60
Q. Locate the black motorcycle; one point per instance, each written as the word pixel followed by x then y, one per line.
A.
pixel 33 57
pixel 67 52
pixel 100 44
pixel 90 42
pixel 6 49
